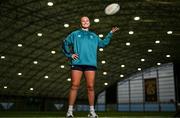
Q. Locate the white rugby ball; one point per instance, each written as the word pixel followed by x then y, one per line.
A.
pixel 112 9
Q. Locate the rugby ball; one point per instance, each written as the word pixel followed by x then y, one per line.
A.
pixel 112 9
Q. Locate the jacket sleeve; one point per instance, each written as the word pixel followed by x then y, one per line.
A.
pixel 105 41
pixel 66 45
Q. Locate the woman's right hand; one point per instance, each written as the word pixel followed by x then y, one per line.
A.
pixel 74 56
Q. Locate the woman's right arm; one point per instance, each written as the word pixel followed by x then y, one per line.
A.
pixel 66 45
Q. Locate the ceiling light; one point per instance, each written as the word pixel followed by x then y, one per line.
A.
pixel 122 66
pixel 39 34
pixel 96 20
pixel 19 45
pixel 105 83
pixel 62 66
pixel 169 32
pixel 157 41
pixel 31 89
pixel 103 62
pixel 128 43
pixel 50 4
pixel 100 35
pixel 121 75
pixel 69 79
pixel 53 52
pixel 3 57
pixel 46 76
pixel 131 32
pixel 139 69
pixel 66 25
pixel 101 49
pixel 168 55
pixel 35 62
pixel 104 73
pixel 19 74
pixel 142 60
pixel 158 64
pixel 149 50
pixel 5 87
pixel 137 18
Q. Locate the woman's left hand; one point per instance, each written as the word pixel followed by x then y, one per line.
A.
pixel 114 29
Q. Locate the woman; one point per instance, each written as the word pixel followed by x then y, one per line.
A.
pixel 83 58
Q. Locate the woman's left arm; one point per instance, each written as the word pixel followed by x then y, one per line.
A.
pixel 106 40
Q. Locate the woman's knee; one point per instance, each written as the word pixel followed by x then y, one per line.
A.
pixel 90 88
pixel 74 87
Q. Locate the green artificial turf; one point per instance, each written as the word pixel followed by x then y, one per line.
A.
pixel 84 114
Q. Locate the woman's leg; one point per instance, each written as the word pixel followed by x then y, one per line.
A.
pixel 75 82
pixel 90 75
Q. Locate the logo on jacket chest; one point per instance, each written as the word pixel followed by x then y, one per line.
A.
pixel 91 36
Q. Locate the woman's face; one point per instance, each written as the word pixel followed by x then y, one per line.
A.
pixel 85 23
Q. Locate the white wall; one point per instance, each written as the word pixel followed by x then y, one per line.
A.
pixel 131 90
pixel 165 77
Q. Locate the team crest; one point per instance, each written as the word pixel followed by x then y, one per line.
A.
pixel 91 36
